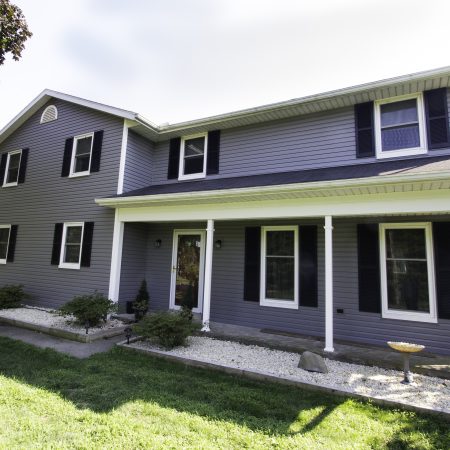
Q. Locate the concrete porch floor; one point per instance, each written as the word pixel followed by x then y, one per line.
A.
pixel 365 354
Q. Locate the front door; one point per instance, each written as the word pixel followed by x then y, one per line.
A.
pixel 187 269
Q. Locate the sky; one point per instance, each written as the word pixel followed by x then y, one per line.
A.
pixel 176 60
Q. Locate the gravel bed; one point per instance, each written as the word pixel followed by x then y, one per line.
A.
pixel 428 392
pixel 50 318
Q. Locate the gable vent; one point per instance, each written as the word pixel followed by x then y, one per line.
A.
pixel 50 113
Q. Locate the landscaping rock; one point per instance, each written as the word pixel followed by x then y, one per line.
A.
pixel 312 363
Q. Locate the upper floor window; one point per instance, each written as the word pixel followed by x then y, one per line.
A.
pixel 4 242
pixel 81 155
pixel 50 113
pixel 193 157
pixel 12 168
pixel 400 126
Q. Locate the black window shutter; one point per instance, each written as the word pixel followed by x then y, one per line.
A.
pixel 437 118
pixel 23 165
pixel 441 237
pixel 174 158
pixel 67 157
pixel 369 268
pixel 87 244
pixel 12 243
pixel 3 167
pixel 96 151
pixel 57 241
pixel 308 266
pixel 365 136
pixel 252 263
pixel 212 161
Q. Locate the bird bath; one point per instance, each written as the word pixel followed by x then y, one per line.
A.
pixel 406 348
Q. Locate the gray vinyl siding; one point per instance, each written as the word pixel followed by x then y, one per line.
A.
pixel 46 198
pixel 325 139
pixel 228 306
pixel 138 162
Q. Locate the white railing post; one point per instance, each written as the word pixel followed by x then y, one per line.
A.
pixel 116 259
pixel 328 284
pixel 208 274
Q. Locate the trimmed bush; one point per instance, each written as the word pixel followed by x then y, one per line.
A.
pixel 169 328
pixel 88 308
pixel 12 296
pixel 140 304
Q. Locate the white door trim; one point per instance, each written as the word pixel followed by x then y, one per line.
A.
pixel 173 271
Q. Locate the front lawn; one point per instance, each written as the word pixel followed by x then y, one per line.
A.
pixel 125 400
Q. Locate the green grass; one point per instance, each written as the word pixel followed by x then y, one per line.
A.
pixel 127 400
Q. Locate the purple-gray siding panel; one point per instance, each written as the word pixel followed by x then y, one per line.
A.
pixel 46 198
pixel 138 162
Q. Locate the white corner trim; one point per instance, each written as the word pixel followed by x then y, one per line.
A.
pixel 123 156
pixel 414 316
pixel 116 259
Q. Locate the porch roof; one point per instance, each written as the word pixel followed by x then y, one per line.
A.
pixel 325 180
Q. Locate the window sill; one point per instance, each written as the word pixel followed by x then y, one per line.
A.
pixel 409 316
pixel 194 176
pixel 402 152
pixel 69 266
pixel 279 303
pixel 79 174
pixel 2 261
pixel 10 184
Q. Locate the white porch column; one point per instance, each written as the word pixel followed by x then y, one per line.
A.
pixel 328 284
pixel 208 274
pixel 116 259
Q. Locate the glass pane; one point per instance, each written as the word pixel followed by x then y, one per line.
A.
pixel 188 269
pixel 401 137
pixel 72 254
pixel 13 168
pixel 83 146
pixel 73 235
pixel 3 248
pixel 194 147
pixel 406 243
pixel 13 175
pixel 399 113
pixel 193 165
pixel 280 278
pixel 407 285
pixel 280 243
pixel 14 161
pixel 4 235
pixel 82 163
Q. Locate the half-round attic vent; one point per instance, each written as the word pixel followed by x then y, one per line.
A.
pixel 50 113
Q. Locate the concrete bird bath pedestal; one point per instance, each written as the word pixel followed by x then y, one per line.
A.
pixel 406 348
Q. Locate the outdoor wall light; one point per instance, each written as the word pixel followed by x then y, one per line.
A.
pixel 158 243
pixel 218 243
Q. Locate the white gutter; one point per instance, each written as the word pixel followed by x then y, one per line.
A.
pixel 316 186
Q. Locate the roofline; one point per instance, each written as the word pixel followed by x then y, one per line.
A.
pixel 162 130
pixel 264 190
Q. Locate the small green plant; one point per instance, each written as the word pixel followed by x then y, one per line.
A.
pixel 140 304
pixel 12 296
pixel 169 328
pixel 88 309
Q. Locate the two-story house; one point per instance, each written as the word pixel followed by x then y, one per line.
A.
pixel 326 216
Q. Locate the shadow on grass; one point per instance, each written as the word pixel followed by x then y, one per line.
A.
pixel 107 381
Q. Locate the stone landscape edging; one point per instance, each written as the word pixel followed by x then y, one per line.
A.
pixel 261 376
pixel 65 334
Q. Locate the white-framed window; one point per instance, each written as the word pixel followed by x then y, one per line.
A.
pixel 81 155
pixel 400 126
pixel 407 272
pixel 5 232
pixel 279 266
pixel 193 154
pixel 12 168
pixel 71 245
pixel 50 114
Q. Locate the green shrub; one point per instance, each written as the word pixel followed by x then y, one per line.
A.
pixel 88 308
pixel 169 328
pixel 140 304
pixel 12 296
